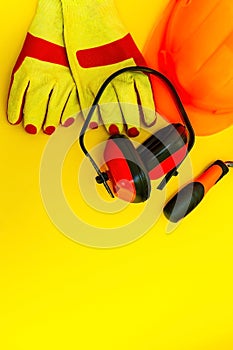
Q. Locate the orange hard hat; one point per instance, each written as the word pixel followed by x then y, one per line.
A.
pixel 192 46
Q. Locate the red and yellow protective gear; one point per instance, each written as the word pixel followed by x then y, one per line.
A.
pixel 97 45
pixel 42 91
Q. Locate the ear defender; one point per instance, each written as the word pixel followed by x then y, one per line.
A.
pixel 164 150
pixel 128 171
pixel 127 175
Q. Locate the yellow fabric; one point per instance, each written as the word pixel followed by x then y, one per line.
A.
pixel 50 89
pixel 89 24
pixel 48 23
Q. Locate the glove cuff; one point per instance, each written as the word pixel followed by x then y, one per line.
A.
pixel 91 23
pixel 47 23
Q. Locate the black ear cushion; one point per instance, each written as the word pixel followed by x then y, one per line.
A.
pixel 137 168
pixel 162 144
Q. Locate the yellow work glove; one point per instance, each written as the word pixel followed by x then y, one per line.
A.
pixel 97 45
pixel 42 91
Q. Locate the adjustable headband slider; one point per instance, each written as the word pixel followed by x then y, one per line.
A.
pixel 102 178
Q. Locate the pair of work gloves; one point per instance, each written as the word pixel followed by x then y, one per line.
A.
pixel 71 47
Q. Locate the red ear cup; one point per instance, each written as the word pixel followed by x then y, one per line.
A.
pixel 130 170
pixel 126 172
pixel 164 150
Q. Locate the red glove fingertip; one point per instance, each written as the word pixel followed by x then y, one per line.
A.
pixel 132 132
pixel 93 125
pixel 113 130
pixel 49 130
pixel 31 129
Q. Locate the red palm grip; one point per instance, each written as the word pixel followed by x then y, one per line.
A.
pixel 42 50
pixel 111 53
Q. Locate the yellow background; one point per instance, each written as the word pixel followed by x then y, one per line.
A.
pixel 161 292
